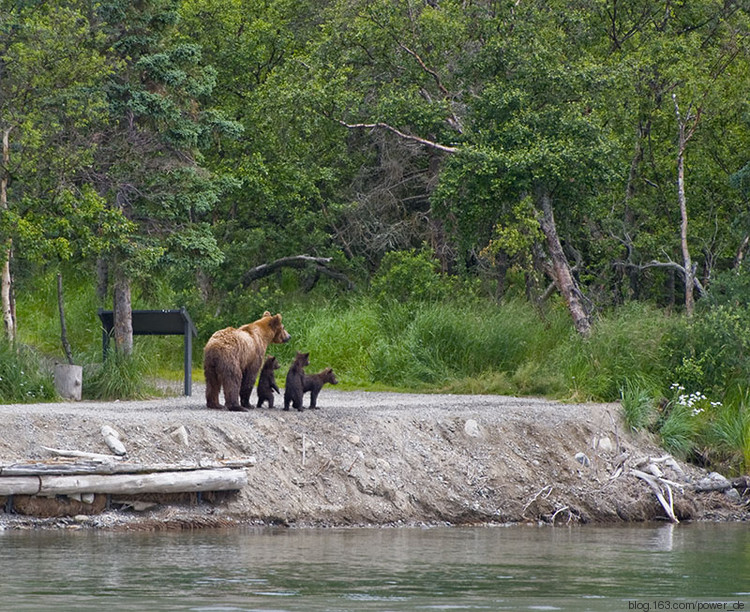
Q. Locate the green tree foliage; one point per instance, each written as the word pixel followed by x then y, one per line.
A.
pixel 289 169
pixel 49 99
pixel 148 164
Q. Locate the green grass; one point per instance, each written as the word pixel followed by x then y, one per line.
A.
pixel 23 376
pixel 729 436
pixel 638 404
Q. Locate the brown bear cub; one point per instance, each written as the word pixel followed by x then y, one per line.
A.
pixel 232 359
pixel 314 383
pixel 267 381
pixel 295 382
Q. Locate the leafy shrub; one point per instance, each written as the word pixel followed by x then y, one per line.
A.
pixel 406 276
pixel 711 352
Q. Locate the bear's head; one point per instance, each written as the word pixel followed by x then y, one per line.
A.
pixel 330 377
pixel 280 335
pixel 271 363
pixel 302 359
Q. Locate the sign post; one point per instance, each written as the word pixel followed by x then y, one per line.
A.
pixel 157 323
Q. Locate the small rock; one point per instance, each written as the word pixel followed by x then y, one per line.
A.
pixel 180 435
pixel 471 428
pixel 733 494
pixel 583 459
pixel 354 439
pixel 604 444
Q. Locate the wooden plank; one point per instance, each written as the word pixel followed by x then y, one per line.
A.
pixel 161 482
pixel 96 467
pixel 62 452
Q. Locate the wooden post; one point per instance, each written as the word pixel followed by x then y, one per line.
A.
pixel 188 354
pixel 69 380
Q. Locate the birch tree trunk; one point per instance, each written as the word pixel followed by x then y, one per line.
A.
pixel 685 133
pixel 6 292
pixel 686 259
pixel 562 276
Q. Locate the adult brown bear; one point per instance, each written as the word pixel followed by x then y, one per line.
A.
pixel 233 356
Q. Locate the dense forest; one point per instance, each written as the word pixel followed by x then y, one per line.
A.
pixel 482 195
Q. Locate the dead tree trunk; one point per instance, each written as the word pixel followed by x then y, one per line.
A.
pixel 562 275
pixel 63 327
pixel 123 315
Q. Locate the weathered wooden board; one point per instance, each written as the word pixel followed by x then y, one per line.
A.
pixel 110 467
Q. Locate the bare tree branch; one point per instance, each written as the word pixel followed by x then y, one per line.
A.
pixel 399 133
pixel 673 265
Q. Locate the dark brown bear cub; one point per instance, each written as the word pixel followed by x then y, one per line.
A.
pixel 267 382
pixel 295 382
pixel 314 383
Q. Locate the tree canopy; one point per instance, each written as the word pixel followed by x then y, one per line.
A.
pixel 598 148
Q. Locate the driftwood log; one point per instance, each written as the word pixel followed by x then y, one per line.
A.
pixel 225 479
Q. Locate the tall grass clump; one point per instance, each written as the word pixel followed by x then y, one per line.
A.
pixel 39 317
pixel 23 378
pixel 442 343
pixel 336 336
pixel 624 345
pixel 680 430
pixel 729 436
pixel 118 377
pixel 638 404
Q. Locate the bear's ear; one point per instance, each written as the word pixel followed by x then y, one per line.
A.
pixel 276 319
pixel 266 314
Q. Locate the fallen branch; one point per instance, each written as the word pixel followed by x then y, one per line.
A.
pixel 295 261
pixel 533 499
pixel 656 487
pixel 723 485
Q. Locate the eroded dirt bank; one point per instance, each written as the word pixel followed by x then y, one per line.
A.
pixel 375 458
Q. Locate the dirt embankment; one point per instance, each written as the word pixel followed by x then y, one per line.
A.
pixel 375 458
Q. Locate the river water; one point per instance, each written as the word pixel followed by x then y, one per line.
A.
pixel 656 567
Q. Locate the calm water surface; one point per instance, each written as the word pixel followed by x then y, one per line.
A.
pixel 682 567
